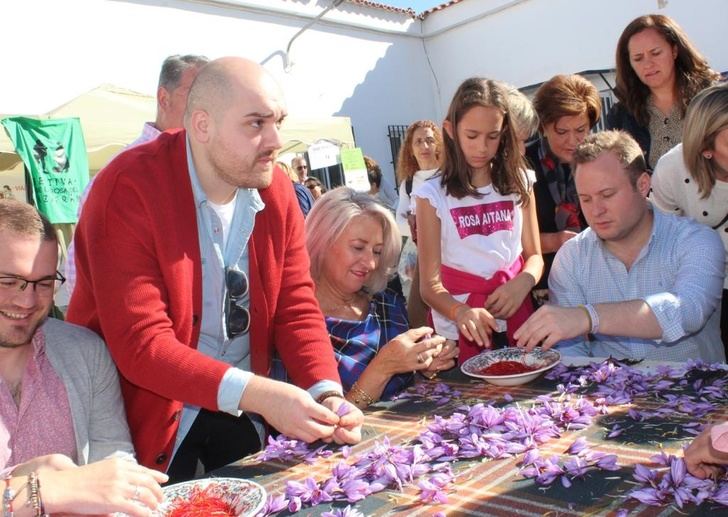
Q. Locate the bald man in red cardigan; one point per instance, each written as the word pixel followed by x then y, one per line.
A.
pixel 150 284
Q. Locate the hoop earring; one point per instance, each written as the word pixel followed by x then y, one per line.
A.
pixel 708 155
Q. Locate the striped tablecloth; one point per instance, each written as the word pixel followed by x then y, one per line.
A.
pixel 494 487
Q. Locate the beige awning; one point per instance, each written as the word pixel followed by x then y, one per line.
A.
pixel 112 117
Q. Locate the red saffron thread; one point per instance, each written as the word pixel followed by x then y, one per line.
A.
pixel 506 368
pixel 201 503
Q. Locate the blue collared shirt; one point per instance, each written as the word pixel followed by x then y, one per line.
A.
pixel 678 273
pixel 216 255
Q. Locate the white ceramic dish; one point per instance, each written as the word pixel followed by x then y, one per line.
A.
pixel 249 496
pixel 540 360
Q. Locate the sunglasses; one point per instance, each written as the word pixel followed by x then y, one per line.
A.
pixel 237 315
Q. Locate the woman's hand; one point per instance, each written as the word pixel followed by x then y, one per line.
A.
pixel 506 299
pixel 475 324
pixel 107 486
pixel 445 360
pixel 409 351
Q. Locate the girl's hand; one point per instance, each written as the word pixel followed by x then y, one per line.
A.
pixel 475 324
pixel 506 299
pixel 445 360
pixel 409 351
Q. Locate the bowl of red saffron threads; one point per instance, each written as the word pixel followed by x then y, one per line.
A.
pixel 214 497
pixel 511 366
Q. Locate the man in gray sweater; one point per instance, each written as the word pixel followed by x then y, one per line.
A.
pixel 59 390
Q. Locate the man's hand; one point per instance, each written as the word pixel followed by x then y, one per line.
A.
pixel 41 463
pixel 104 487
pixel 349 428
pixel 551 324
pixel 702 459
pixel 289 409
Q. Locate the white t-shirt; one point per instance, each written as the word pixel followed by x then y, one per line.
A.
pixel 225 213
pixel 674 191
pixel 405 206
pixel 479 236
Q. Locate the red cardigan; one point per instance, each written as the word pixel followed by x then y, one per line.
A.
pixel 140 286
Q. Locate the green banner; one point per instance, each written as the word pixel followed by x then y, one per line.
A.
pixel 54 152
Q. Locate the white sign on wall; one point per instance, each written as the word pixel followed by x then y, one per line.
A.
pixel 323 154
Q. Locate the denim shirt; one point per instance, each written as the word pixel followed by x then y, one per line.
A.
pixel 213 339
pixel 216 257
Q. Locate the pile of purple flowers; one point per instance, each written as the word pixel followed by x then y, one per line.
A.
pixel 483 431
pixel 693 391
pixel 670 483
pixel 437 392
pixel 580 460
pixel 471 432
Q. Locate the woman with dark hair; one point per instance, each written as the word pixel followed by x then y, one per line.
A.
pixel 658 72
pixel 568 106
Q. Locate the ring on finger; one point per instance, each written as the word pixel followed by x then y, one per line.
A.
pixel 137 489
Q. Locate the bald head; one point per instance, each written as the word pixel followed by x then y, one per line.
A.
pixel 234 112
pixel 220 82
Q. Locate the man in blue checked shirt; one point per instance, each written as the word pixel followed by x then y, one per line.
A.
pixel 639 283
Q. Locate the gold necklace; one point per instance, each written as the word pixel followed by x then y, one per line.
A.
pixel 349 306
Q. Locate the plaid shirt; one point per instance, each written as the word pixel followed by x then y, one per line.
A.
pixel 357 342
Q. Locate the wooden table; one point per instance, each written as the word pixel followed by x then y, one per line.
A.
pixel 494 487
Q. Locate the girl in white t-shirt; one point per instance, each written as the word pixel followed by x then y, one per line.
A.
pixel 479 251
pixel 419 159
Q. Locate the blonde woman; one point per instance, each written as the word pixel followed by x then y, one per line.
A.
pixel 692 178
pixel 353 243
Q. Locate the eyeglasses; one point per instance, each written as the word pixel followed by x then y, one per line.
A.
pixel 47 285
pixel 237 315
pixel 302 167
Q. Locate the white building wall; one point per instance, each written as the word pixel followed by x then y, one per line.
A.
pixel 528 41
pixel 367 66
pixel 377 67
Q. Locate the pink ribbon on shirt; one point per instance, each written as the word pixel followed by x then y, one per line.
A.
pixel 478 290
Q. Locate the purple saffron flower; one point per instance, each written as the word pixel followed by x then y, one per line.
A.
pixel 720 496
pixel 608 462
pixel 431 493
pixel 345 512
pixel 343 409
pixel 578 446
pixel 649 496
pixel 678 470
pixel 294 504
pixel 273 504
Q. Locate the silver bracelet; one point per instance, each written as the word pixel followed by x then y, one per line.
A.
pixel 594 316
